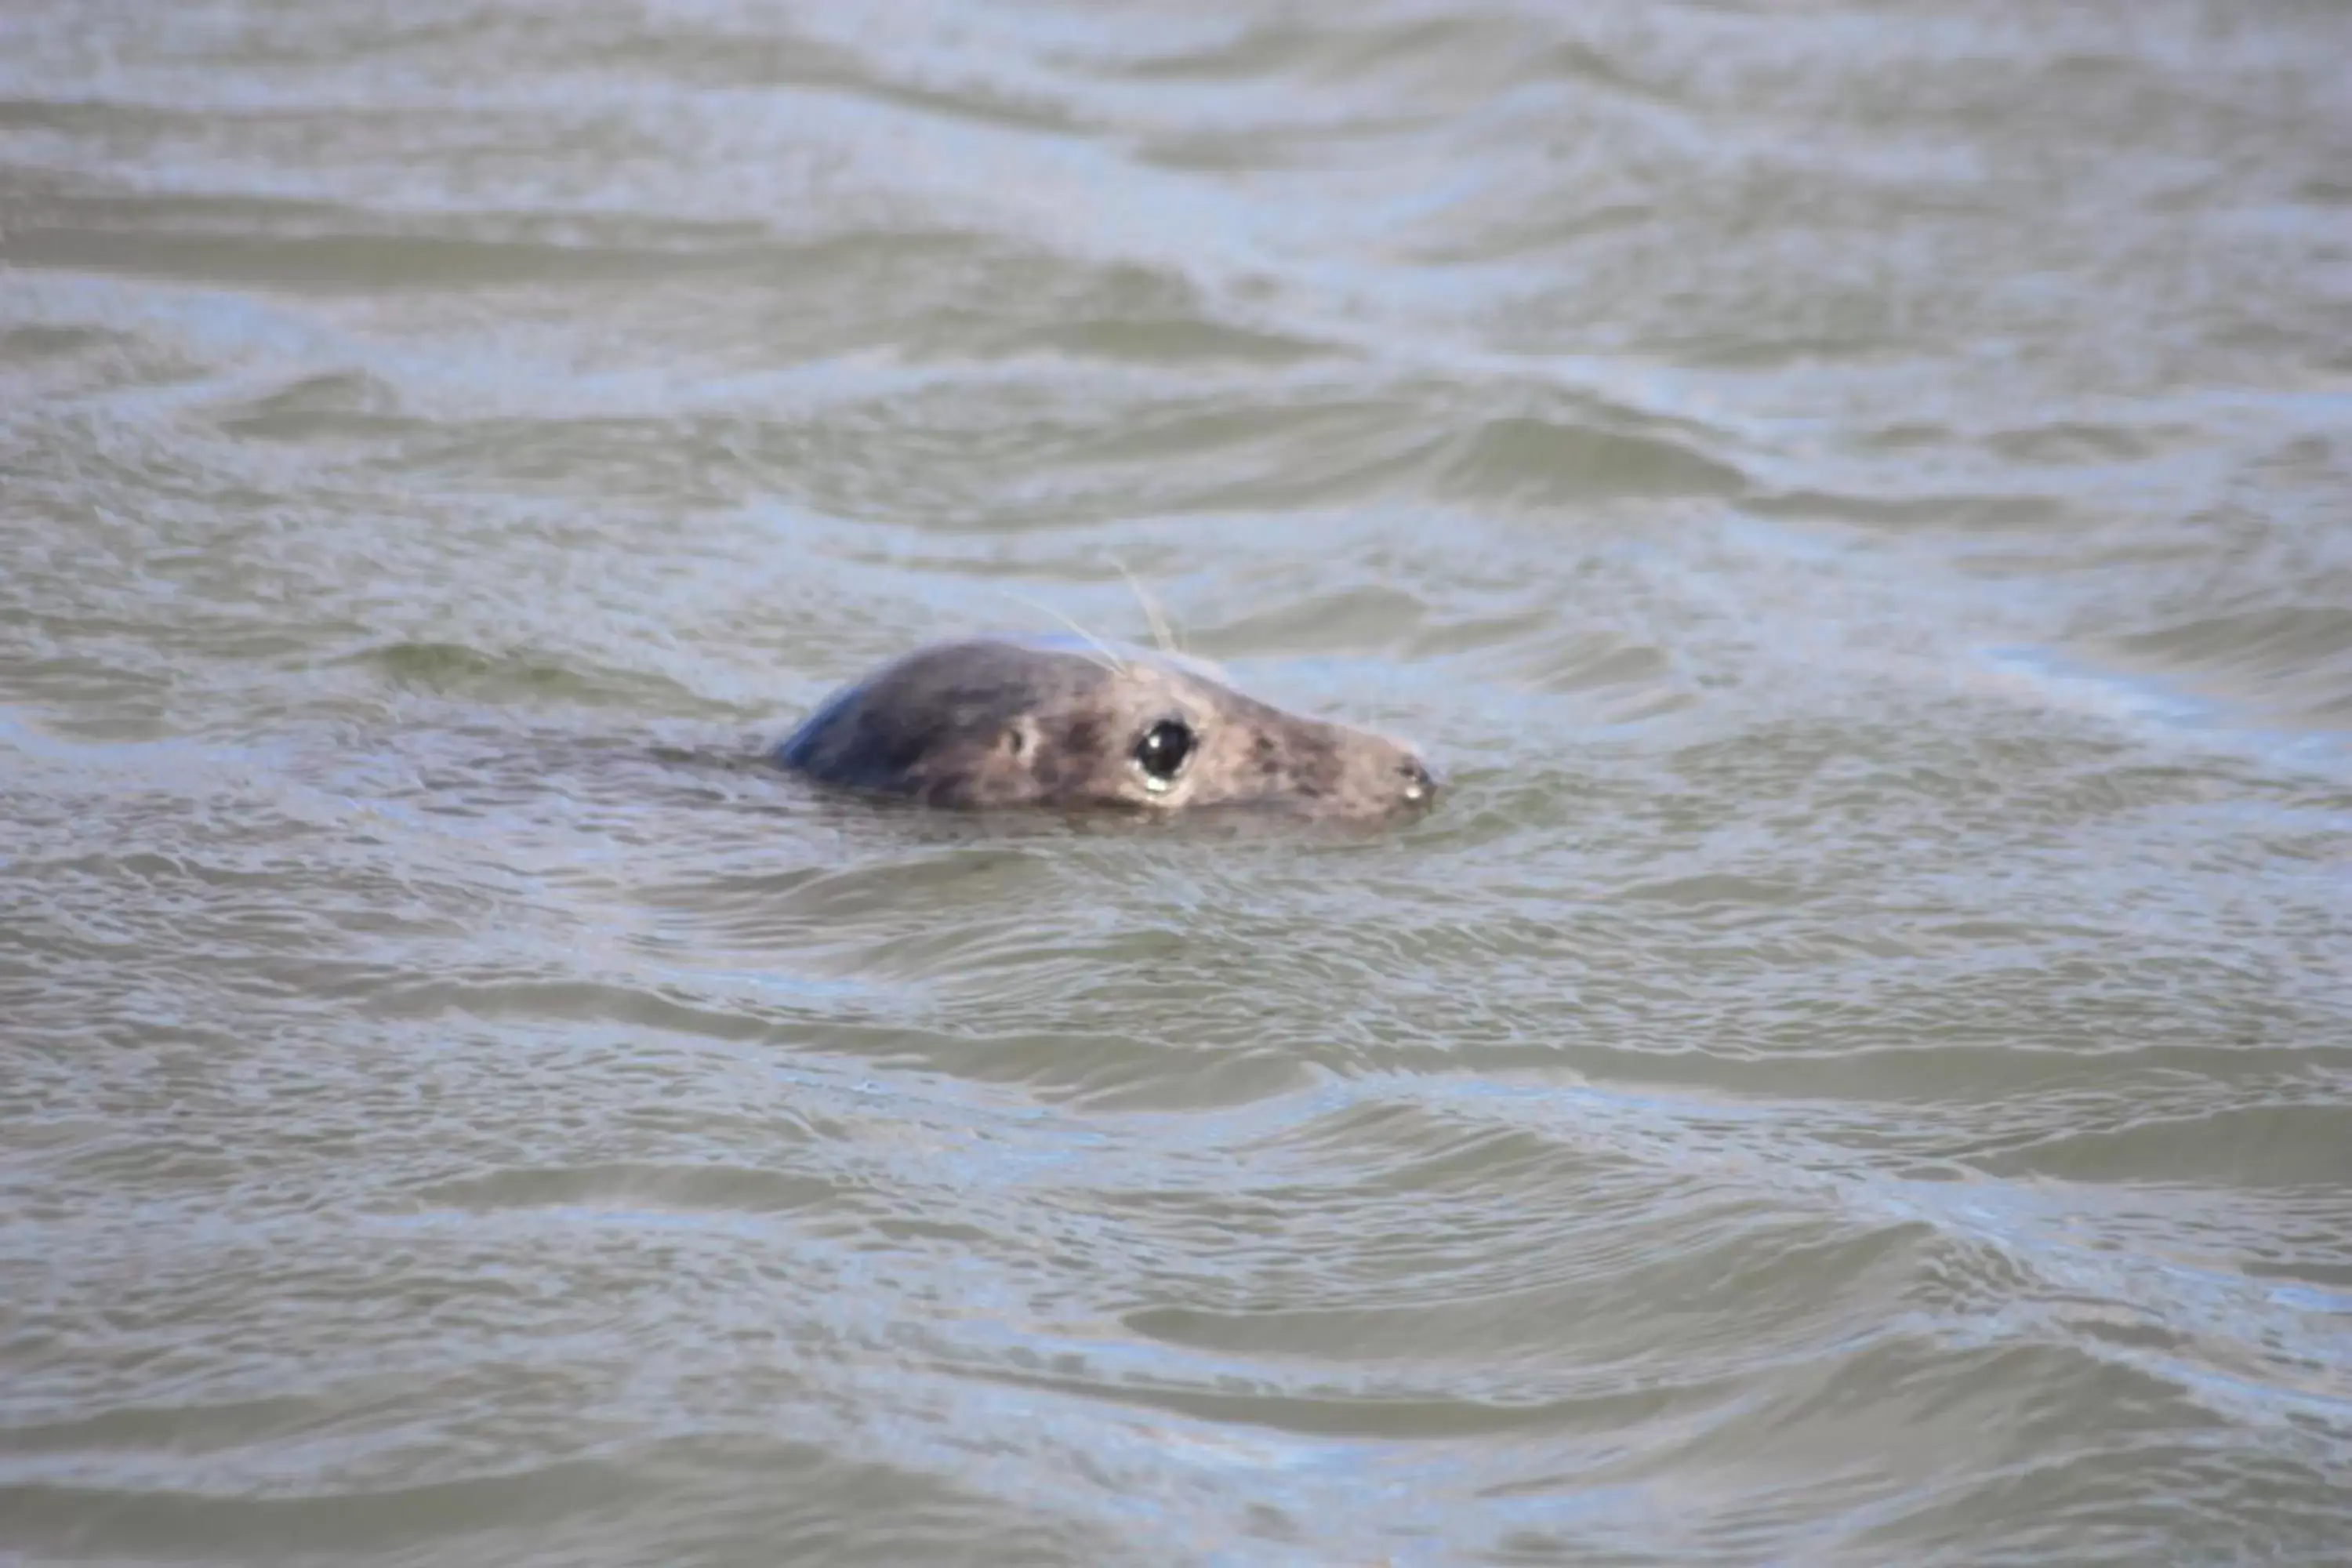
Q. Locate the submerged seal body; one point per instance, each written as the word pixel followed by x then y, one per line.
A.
pixel 990 722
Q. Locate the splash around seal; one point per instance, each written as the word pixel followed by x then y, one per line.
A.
pixel 999 722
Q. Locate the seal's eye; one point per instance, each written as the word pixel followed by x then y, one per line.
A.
pixel 1161 753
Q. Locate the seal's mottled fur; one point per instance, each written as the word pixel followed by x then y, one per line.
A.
pixel 990 722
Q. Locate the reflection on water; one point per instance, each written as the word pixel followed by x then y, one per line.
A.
pixel 1858 1069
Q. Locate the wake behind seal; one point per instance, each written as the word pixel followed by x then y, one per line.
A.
pixel 994 722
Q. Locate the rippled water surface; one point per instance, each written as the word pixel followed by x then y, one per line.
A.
pixel 1858 1069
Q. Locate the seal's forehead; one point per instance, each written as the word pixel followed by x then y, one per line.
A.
pixel 1002 673
pixel 992 681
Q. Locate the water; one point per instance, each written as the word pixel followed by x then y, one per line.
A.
pixel 1858 1069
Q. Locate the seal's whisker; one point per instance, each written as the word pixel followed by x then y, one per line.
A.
pixel 1109 659
pixel 1161 634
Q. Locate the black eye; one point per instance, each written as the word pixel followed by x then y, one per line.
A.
pixel 1161 751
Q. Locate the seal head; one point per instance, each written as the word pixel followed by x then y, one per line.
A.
pixel 989 722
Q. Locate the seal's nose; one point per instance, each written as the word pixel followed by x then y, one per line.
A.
pixel 1420 783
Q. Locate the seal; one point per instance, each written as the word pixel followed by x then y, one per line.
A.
pixel 992 722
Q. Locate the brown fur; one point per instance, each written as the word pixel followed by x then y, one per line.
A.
pixel 999 723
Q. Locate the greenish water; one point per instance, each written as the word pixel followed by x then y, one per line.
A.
pixel 1858 1069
